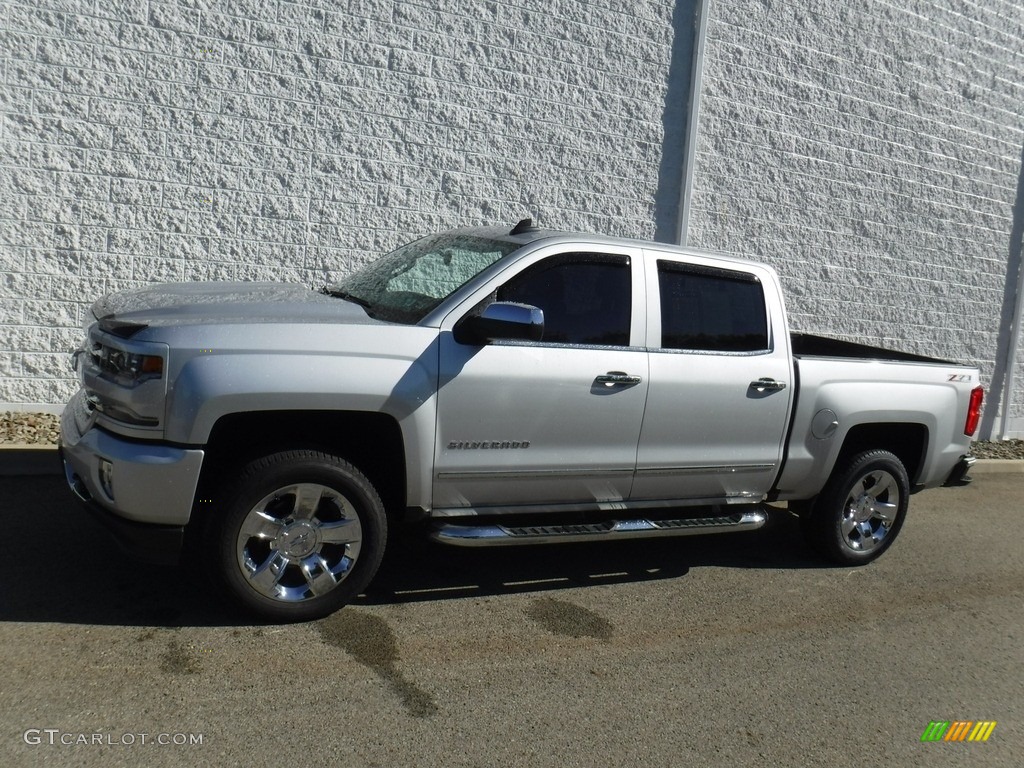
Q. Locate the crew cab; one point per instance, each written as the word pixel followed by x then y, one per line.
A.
pixel 492 387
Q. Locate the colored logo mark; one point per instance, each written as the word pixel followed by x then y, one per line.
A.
pixel 958 730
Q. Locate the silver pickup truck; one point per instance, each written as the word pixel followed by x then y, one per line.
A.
pixel 493 387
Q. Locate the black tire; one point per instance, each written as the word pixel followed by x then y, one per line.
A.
pixel 861 509
pixel 302 533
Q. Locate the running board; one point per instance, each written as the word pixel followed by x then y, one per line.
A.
pixel 501 535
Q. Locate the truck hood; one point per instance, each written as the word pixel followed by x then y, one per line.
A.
pixel 127 312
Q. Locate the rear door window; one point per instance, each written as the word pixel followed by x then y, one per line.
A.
pixel 710 309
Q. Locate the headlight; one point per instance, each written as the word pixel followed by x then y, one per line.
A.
pixel 128 368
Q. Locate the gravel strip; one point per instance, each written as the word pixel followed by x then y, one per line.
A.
pixel 29 428
pixel 43 429
pixel 1001 449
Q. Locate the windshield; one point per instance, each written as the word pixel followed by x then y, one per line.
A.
pixel 406 284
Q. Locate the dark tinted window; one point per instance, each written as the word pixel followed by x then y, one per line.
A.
pixel 586 298
pixel 716 310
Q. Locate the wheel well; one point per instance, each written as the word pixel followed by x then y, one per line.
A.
pixel 372 442
pixel 907 441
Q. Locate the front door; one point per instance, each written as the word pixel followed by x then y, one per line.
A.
pixel 554 422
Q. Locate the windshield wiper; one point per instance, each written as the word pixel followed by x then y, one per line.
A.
pixel 343 294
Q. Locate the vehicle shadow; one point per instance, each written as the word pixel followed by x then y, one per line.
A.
pixel 61 566
pixel 415 570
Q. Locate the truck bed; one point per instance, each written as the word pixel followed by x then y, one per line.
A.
pixel 809 345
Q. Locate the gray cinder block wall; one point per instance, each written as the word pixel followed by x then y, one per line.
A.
pixel 872 152
pixel 262 140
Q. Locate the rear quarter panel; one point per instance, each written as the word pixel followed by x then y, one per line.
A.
pixel 875 392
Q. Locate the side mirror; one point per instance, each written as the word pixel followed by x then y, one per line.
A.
pixel 501 320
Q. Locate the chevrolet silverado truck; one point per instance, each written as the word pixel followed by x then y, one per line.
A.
pixel 492 387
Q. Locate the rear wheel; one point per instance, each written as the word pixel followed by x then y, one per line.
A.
pixel 860 511
pixel 302 534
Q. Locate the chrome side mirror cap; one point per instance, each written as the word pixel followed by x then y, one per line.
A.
pixel 501 320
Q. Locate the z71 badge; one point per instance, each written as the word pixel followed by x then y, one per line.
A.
pixel 960 377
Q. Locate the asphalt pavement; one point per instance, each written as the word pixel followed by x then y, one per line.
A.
pixel 730 650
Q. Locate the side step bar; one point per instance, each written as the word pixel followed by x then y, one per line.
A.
pixel 501 535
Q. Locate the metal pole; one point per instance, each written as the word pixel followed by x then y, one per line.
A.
pixel 1015 334
pixel 693 121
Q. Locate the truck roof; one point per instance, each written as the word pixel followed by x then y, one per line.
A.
pixel 525 233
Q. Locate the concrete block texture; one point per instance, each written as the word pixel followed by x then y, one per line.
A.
pixel 872 152
pixel 255 139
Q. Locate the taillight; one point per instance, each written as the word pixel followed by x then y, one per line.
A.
pixel 974 411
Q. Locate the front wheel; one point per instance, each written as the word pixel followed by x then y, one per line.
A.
pixel 302 534
pixel 860 511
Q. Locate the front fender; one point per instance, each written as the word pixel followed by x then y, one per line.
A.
pixel 210 387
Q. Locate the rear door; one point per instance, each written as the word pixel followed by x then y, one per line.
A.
pixel 721 381
pixel 553 422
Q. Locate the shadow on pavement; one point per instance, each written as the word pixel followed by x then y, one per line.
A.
pixel 61 566
pixel 414 570
pixel 37 460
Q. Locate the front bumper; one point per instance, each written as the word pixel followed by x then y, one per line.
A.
pixel 150 487
pixel 160 544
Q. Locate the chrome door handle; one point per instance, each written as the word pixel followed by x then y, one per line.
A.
pixel 766 384
pixel 614 378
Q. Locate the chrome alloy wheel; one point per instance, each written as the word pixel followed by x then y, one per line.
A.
pixel 870 510
pixel 299 542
